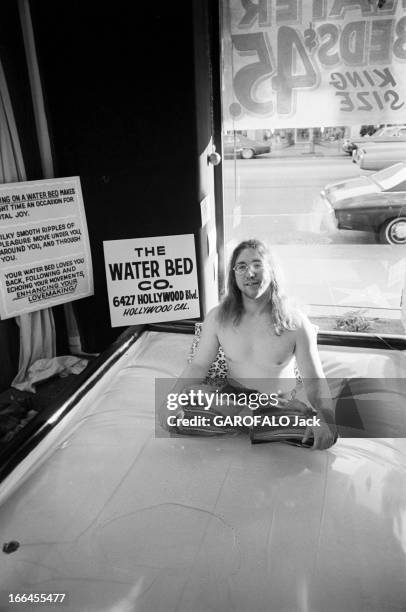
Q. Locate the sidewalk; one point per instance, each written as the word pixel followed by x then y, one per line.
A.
pixel 324 149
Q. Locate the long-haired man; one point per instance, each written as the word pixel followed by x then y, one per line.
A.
pixel 264 339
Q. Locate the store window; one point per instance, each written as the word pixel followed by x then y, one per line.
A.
pixel 301 81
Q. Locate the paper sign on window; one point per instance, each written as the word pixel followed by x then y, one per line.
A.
pixel 44 245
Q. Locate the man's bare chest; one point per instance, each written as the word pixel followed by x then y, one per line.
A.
pixel 256 341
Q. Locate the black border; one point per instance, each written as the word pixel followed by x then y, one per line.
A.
pixel 324 338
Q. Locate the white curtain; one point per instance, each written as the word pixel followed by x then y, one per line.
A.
pixel 37 329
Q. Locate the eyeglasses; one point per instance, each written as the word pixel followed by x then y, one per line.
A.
pixel 242 268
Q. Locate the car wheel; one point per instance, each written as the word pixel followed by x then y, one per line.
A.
pixel 393 231
pixel 247 153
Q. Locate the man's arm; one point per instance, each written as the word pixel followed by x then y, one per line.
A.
pixel 317 389
pixel 194 373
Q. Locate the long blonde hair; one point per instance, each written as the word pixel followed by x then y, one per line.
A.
pixel 282 313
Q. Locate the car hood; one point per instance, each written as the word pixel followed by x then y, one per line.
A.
pixel 362 185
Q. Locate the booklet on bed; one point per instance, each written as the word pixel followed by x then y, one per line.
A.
pixel 287 426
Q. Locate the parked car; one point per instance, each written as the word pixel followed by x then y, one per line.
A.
pixel 389 133
pixel 378 155
pixel 374 203
pixel 241 146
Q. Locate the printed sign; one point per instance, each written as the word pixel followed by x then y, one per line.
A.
pixel 44 245
pixel 150 280
pixel 298 63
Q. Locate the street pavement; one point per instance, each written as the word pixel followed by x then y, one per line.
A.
pixel 281 197
pixel 276 198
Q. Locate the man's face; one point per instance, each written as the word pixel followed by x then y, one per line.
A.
pixel 254 278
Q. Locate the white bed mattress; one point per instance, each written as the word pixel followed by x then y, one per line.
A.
pixel 120 520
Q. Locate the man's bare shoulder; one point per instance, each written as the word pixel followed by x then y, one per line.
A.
pixel 213 313
pixel 302 325
pixel 304 328
pixel 211 320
